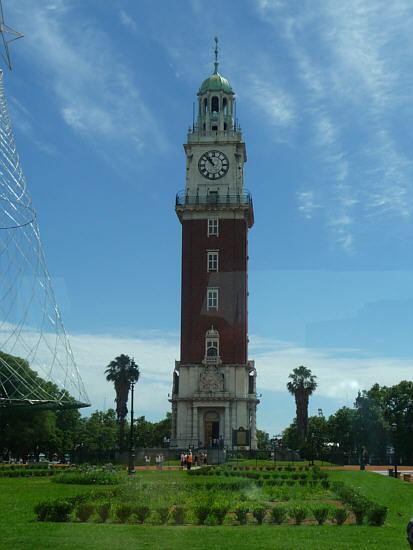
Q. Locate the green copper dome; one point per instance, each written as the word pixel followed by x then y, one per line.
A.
pixel 215 83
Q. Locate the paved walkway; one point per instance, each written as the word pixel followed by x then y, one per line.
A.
pixel 381 470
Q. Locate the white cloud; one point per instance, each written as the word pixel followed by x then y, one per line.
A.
pixel 307 203
pixel 127 20
pixel 340 373
pixel 338 377
pixel 155 356
pixel 352 61
pixel 22 121
pixel 275 102
pixel 95 91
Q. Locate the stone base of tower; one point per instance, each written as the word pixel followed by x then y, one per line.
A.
pixel 214 405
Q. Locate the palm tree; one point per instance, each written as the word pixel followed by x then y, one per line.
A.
pixel 302 385
pixel 122 371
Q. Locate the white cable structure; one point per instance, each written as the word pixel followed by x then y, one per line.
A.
pixel 31 326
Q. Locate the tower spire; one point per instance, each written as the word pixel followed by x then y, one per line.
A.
pixel 216 56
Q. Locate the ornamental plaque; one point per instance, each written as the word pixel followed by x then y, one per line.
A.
pixel 211 380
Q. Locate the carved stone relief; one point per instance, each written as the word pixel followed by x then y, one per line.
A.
pixel 211 380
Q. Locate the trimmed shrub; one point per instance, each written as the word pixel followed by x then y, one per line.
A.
pixel 142 512
pixel 163 515
pixel 278 514
pixel 42 510
pixel 259 514
pixel 178 515
pixel 53 510
pixel 298 514
pixel 84 510
pixel 201 511
pixel 123 512
pixel 339 515
pixel 60 510
pixel 376 515
pixel 359 509
pixel 325 483
pixel 241 514
pixel 103 511
pixel 321 514
pixel 219 510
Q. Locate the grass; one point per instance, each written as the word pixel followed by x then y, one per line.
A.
pixel 19 530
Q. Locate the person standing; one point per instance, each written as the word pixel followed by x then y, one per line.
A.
pixel 189 461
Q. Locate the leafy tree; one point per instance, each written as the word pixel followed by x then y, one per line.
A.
pixel 302 385
pixel 162 430
pixel 370 429
pixel 396 405
pixel 18 380
pixel 263 440
pixel 152 434
pixel 97 438
pixel 290 436
pixel 24 433
pixel 122 371
pixel 317 437
pixel 25 430
pixel 341 430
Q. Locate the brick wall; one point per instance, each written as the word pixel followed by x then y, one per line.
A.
pixel 231 279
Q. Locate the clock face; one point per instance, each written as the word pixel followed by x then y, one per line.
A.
pixel 213 165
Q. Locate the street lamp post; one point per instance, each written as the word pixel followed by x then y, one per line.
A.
pixel 273 446
pixel 131 468
pixel 275 441
pixel 395 460
pixel 312 448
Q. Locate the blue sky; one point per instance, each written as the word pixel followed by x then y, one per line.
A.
pixel 101 97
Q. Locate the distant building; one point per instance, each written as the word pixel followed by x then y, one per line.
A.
pixel 214 384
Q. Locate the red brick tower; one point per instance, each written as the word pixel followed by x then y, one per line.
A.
pixel 214 396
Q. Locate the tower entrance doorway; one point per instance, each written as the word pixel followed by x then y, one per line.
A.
pixel 211 429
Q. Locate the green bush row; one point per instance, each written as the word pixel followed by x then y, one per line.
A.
pixel 89 477
pixel 269 468
pixel 239 483
pixel 39 466
pixel 219 484
pixel 205 511
pixel 315 474
pixel 361 506
pixel 26 473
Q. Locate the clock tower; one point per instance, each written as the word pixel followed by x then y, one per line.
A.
pixel 214 384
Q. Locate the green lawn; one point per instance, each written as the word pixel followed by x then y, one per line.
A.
pixel 19 530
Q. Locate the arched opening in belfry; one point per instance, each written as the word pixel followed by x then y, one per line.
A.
pixel 205 106
pixel 215 104
pixel 225 106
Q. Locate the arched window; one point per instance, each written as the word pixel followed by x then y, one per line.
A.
pixel 176 383
pixel 211 345
pixel 212 349
pixel 205 106
pixel 225 106
pixel 215 104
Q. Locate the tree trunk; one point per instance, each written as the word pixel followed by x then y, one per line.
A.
pixel 301 403
pixel 122 394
